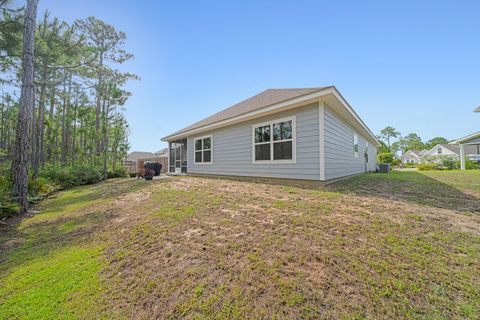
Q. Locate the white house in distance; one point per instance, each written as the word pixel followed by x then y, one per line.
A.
pixel 301 133
pixel 467 145
pixel 471 151
pixel 413 156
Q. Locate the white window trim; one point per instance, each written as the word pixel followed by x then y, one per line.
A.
pixel 294 141
pixel 211 150
pixel 355 153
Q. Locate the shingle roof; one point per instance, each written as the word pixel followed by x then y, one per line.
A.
pixel 136 155
pixel 416 151
pixel 259 101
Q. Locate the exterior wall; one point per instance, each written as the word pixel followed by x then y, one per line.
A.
pixel 339 156
pixel 410 158
pixel 232 149
pixel 434 152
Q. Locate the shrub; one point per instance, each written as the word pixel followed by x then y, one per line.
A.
pixel 119 172
pixel 42 187
pixel 86 175
pixel 396 162
pixel 8 208
pixel 472 165
pixel 428 166
pixel 410 165
pixel 72 176
pixel 386 157
pixel 450 164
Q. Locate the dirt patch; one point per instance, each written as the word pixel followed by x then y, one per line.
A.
pixel 261 250
pixel 197 248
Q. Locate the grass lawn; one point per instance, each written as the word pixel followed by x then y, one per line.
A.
pixel 389 246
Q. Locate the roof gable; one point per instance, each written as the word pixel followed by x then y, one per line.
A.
pixel 276 100
pixel 411 152
pixel 261 100
pixel 422 152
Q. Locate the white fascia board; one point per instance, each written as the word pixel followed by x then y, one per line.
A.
pixel 281 106
pixel 461 140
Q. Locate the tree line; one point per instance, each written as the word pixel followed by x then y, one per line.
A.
pixel 62 95
pixel 392 141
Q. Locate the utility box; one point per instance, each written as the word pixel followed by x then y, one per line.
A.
pixel 383 167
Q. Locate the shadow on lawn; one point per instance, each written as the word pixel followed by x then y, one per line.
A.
pixel 411 187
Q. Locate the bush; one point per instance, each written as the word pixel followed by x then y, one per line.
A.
pixel 450 164
pixel 42 187
pixel 386 157
pixel 428 166
pixel 472 165
pixel 7 206
pixel 410 165
pixel 86 175
pixel 72 176
pixel 119 172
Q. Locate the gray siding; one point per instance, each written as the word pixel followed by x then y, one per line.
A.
pixel 339 157
pixel 232 149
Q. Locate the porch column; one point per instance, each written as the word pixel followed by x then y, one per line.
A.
pixel 462 157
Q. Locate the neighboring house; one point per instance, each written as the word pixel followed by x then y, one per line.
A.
pixel 162 153
pixel 308 133
pixel 451 151
pixel 413 156
pixel 138 155
pixel 469 147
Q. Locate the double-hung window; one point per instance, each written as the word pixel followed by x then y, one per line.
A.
pixel 355 145
pixel 274 141
pixel 203 149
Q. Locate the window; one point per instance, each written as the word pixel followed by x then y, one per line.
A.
pixel 355 145
pixel 274 141
pixel 203 149
pixel 439 150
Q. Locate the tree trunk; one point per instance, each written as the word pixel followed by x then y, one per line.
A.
pixel 40 127
pixel 50 129
pixel 25 113
pixel 99 104
pixel 66 99
pixel 75 107
pixel 2 123
pixel 106 109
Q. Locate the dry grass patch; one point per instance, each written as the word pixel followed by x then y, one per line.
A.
pixel 218 249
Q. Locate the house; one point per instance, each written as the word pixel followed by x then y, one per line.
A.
pixel 307 133
pixel 162 153
pixel 451 151
pixel 469 147
pixel 413 156
pixel 138 155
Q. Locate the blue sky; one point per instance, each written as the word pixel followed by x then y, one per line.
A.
pixel 414 65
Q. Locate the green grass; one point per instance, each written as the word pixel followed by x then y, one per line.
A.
pixel 53 272
pixel 455 190
pixel 404 245
pixel 63 284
